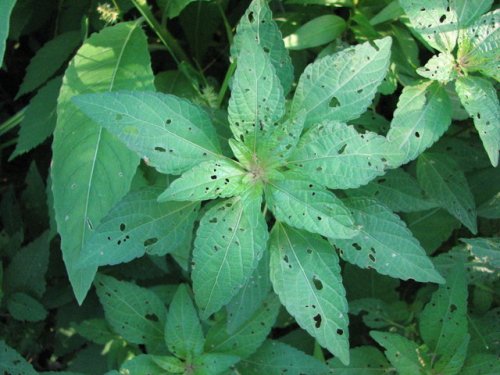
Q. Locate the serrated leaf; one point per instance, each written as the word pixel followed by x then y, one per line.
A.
pixel 171 134
pixel 48 60
pixel 470 10
pixel 337 156
pixel 422 116
pixel 486 249
pixel 91 170
pixel 275 357
pixel 257 24
pixel 39 119
pixel 434 20
pixel 209 180
pixel 298 202
pixel 183 332
pixel 439 68
pixel 305 274
pixel 442 180
pixel 5 10
pixel 229 244
pixel 23 307
pixel 248 337
pixel 138 224
pixel 11 362
pixel 213 363
pixel 316 32
pixel 480 100
pixel 135 313
pixel 385 244
pixel 365 360
pixel 341 86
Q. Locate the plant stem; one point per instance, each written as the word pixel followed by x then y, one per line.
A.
pixel 227 26
pixel 12 122
pixel 225 84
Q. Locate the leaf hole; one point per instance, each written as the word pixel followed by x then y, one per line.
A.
pixel 334 102
pixel 123 227
pixel 160 149
pixel 317 320
pixel 150 241
pixel 152 317
pixel 317 283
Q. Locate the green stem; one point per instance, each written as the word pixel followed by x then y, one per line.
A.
pixel 227 26
pixel 12 122
pixel 225 84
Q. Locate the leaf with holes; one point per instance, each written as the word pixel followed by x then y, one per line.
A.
pixel 439 68
pixel 341 86
pixel 11 362
pixel 305 274
pixel 257 24
pixel 337 156
pixel 229 244
pixel 385 244
pixel 480 100
pixel 365 360
pixel 442 179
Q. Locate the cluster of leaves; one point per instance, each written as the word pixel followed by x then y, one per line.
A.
pixel 180 231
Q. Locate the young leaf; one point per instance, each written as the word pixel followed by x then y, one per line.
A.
pixel 305 274
pixel 11 362
pixel 228 246
pixel 421 118
pixel 365 360
pixel 171 134
pixel 385 244
pixel 183 332
pixel 305 205
pixel 23 307
pixel 5 11
pixel 341 86
pixel 318 31
pixel 337 156
pixel 209 180
pixel 136 313
pixel 442 179
pixel 91 170
pixel 480 100
pixel 257 24
pixel 439 68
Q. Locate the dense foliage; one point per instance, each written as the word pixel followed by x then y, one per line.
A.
pixel 186 191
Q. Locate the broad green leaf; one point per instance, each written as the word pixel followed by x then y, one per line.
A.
pixel 365 360
pixel 257 24
pixel 138 224
pixel 337 156
pixel 209 180
pixel 96 330
pixel 248 337
pixel 171 134
pixel 341 86
pixel 318 31
pixel 305 274
pixel 434 20
pixel 491 208
pixel 422 116
pixel 170 364
pixel 11 362
pixel 172 8
pixel 403 354
pixel 470 10
pixel 136 313
pixel 5 11
pixel 91 170
pixel 142 364
pixel 441 68
pixel 305 205
pixel 213 363
pixel 442 180
pixel 481 364
pixel 443 322
pixel 275 357
pixel 396 189
pixel 39 119
pixel 480 100
pixel 390 12
pixel 230 241
pixel 183 332
pixel 487 249
pixel 385 244
pixel 257 100
pixel 23 307
pixel 48 60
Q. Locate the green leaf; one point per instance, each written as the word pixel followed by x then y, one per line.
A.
pixel 481 364
pixel 176 83
pixel 480 100
pixel 365 360
pixel 25 308
pixel 337 156
pixel 213 363
pixel 434 20
pixel 209 180
pixel 443 323
pixel 5 11
pixel 439 68
pixel 403 354
pixel 341 86
pixel 170 364
pixel 96 330
pixel 390 12
pixel 48 60
pixel 275 357
pixel 138 224
pixel 39 119
pixel 229 244
pixel 257 24
pixel 142 364
pixel 421 118
pixel 305 205
pixel 442 180
pixel 385 244
pixel 305 274
pixel 172 8
pixel 183 332
pixel 248 337
pixel 91 170
pixel 135 313
pixel 487 249
pixel 11 362
pixel 485 332
pixel 171 134
pixel 379 314
pixel 470 10
pixel 318 31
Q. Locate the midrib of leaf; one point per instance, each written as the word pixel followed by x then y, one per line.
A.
pixel 426 216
